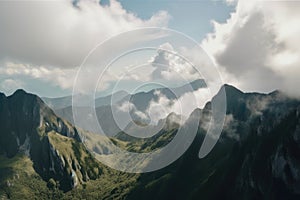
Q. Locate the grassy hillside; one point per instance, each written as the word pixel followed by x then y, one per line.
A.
pixel 256 157
pixel 18 180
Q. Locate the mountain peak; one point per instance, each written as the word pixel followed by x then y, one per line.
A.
pixel 29 126
pixel 199 83
pixel 231 89
pixel 231 92
pixel 19 91
pixel 25 99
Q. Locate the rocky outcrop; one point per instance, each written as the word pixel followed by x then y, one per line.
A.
pixel 256 157
pixel 26 126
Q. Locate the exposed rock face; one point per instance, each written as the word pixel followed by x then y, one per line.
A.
pixel 26 126
pixel 256 157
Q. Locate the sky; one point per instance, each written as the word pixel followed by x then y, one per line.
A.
pixel 192 17
pixel 255 45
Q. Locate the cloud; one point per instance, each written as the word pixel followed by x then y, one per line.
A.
pixel 126 107
pixel 258 47
pixel 134 113
pixel 161 66
pixel 161 106
pixel 57 33
pixel 183 105
pixel 48 40
pixel 169 65
pixel 230 126
pixel 159 109
pixel 63 78
pixel 10 85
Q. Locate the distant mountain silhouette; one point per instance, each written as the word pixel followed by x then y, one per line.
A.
pixel 140 100
pixel 256 157
pixel 64 102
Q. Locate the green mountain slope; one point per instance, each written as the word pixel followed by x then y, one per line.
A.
pixel 256 157
pixel 29 127
pixel 42 156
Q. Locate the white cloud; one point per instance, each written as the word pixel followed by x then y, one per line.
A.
pixel 126 107
pixel 184 105
pixel 160 107
pixel 162 65
pixel 10 85
pixel 127 112
pixel 48 40
pixel 169 65
pixel 230 126
pixel 257 48
pixel 141 115
pixel 63 78
pixel 56 33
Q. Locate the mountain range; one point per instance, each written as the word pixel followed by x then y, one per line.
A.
pixel 140 99
pixel 108 106
pixel 42 155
